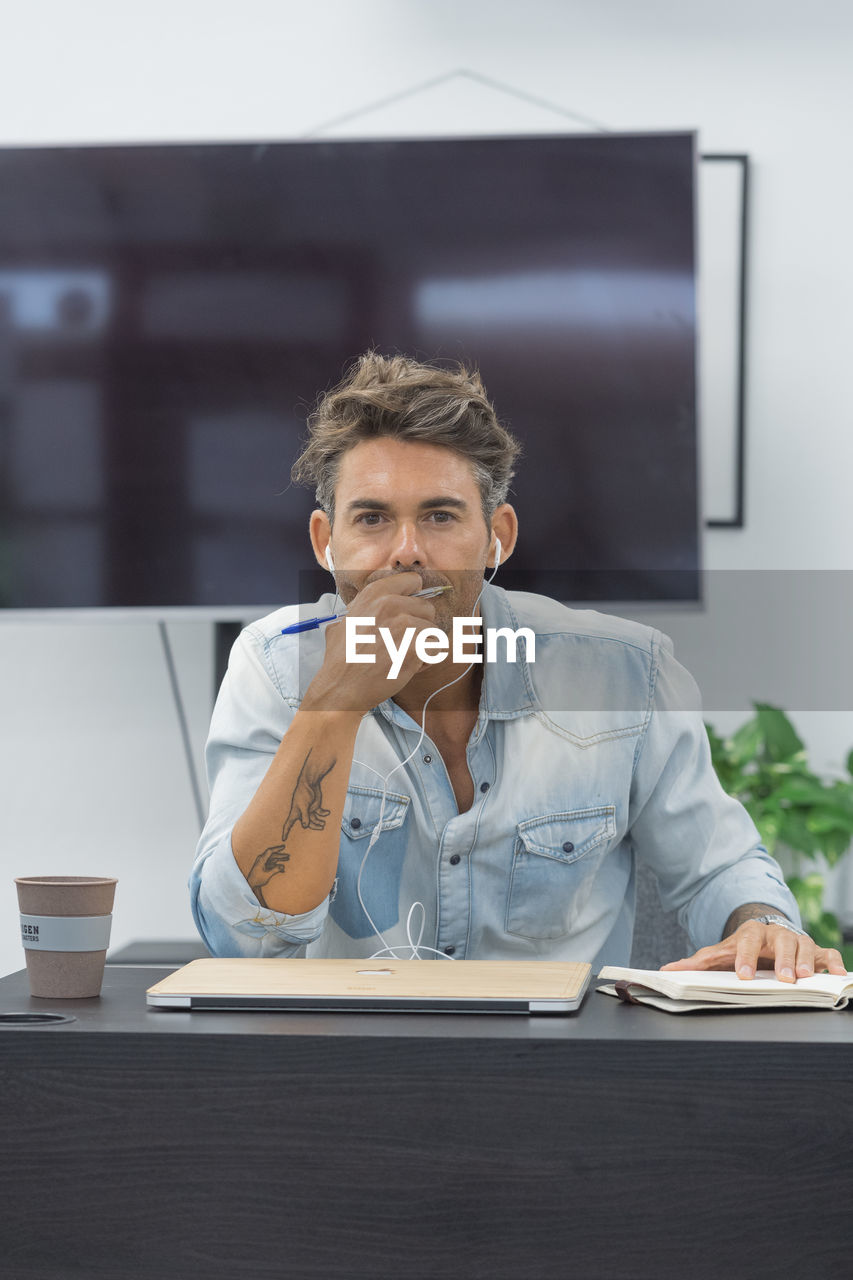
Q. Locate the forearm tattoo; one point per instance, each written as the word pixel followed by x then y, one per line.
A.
pixel 306 808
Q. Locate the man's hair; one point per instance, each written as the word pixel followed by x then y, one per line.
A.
pixel 396 397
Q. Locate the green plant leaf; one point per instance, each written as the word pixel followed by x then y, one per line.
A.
pixel 768 826
pixel 828 818
pixel 807 792
pixel 808 892
pixel 841 794
pixel 745 742
pixel 827 931
pixel 794 831
pixel 834 845
pixel 726 769
pixel 764 765
pixel 779 736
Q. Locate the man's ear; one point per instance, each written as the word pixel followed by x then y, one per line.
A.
pixel 320 532
pixel 505 527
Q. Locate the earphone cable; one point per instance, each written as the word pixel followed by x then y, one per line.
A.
pixel 415 948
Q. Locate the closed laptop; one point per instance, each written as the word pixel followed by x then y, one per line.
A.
pixel 405 986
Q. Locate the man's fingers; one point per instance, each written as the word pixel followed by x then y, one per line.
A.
pixel 829 958
pixel 395 584
pixel 807 958
pixel 749 938
pixel 718 957
pixel 785 948
pixel 812 959
pixel 406 581
pixel 792 955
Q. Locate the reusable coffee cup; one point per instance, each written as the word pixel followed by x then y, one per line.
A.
pixel 65 931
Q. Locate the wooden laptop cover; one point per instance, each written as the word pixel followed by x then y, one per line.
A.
pixel 392 982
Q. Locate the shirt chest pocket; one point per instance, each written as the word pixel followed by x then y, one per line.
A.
pixel 382 872
pixel 554 865
pixel 363 807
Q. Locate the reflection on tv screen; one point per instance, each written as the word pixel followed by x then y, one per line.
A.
pixel 169 314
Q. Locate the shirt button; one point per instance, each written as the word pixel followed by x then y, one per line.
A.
pixel 448 951
pixel 355 823
pixel 568 847
pixel 427 759
pixel 455 859
pixel 484 786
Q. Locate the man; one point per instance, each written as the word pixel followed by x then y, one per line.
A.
pixel 511 800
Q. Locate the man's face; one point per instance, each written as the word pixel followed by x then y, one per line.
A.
pixel 402 506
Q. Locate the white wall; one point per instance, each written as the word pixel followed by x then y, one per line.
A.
pixel 90 760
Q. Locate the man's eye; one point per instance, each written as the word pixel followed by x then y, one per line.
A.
pixel 441 517
pixel 369 518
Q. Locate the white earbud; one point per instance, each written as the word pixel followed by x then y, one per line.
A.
pixel 329 561
pixel 497 551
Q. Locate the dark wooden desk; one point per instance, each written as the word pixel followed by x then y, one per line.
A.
pixel 617 1144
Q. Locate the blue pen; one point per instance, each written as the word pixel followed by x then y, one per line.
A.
pixel 311 623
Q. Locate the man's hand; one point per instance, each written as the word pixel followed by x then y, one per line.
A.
pixel 391 602
pixel 765 946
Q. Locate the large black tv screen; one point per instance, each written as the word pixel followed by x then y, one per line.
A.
pixel 168 315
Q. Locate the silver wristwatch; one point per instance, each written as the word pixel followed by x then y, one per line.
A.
pixel 782 922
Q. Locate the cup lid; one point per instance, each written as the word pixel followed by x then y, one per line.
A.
pixel 58 880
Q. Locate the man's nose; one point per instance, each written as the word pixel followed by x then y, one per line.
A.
pixel 406 553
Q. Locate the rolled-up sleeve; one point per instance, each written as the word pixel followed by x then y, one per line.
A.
pixel 701 843
pixel 251 716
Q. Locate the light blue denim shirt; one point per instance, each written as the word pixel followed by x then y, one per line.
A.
pixel 585 761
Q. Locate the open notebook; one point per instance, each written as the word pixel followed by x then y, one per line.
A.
pixel 403 986
pixel 689 990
